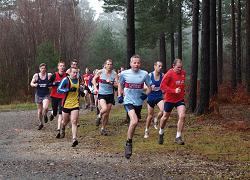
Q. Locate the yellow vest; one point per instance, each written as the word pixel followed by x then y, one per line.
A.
pixel 72 98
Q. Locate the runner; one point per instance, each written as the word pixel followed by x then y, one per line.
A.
pixel 74 64
pixel 56 98
pixel 155 97
pixel 173 87
pixel 107 80
pixel 70 86
pixel 95 92
pixel 88 96
pixel 131 83
pixel 40 81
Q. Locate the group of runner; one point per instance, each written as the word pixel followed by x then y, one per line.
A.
pixel 134 86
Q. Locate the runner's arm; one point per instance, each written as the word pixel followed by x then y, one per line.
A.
pixel 165 85
pixel 63 86
pixel 148 84
pixel 52 78
pixel 33 82
pixel 94 81
pixel 51 81
pixel 116 81
pixel 49 75
pixel 120 85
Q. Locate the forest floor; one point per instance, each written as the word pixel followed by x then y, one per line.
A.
pixel 217 147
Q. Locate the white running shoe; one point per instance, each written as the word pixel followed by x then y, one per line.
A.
pixel 146 135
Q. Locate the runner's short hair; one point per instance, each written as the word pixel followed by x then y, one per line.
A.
pixel 74 60
pixel 135 56
pixel 108 60
pixel 70 69
pixel 176 61
pixel 61 62
pixel 43 64
pixel 157 61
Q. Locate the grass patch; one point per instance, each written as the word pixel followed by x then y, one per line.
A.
pixel 211 142
pixel 18 106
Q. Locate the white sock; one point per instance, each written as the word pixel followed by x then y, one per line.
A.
pixel 161 131
pixel 178 134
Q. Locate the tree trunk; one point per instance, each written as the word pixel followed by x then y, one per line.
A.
pixel 213 50
pixel 233 55
pixel 163 51
pixel 172 33
pixel 130 31
pixel 238 48
pixel 220 45
pixel 205 64
pixel 195 56
pixel 180 30
pixel 248 46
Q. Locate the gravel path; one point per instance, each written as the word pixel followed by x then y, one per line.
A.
pixel 25 155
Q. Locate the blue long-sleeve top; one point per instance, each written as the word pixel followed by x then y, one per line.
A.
pixel 64 85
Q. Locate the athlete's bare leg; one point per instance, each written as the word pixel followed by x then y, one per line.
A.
pixel 133 123
pixel 74 119
pixel 150 116
pixel 106 116
pixel 45 106
pixel 40 113
pixel 181 114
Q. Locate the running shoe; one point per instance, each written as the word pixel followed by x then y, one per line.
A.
pixel 51 117
pixel 179 141
pixel 128 150
pixel 45 118
pixel 161 138
pixel 58 134
pixel 75 143
pixel 155 123
pixel 98 120
pixel 146 135
pixel 62 133
pixel 40 127
pixel 104 132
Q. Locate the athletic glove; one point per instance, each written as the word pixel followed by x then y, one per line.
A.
pixel 120 99
pixel 143 96
pixel 73 89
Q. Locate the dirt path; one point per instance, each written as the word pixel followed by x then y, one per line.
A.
pixel 25 155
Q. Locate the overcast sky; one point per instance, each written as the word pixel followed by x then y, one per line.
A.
pixel 96 5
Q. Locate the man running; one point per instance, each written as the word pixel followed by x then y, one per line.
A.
pixel 173 87
pixel 95 92
pixel 70 86
pixel 56 98
pixel 88 95
pixel 107 80
pixel 40 81
pixel 155 97
pixel 131 84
